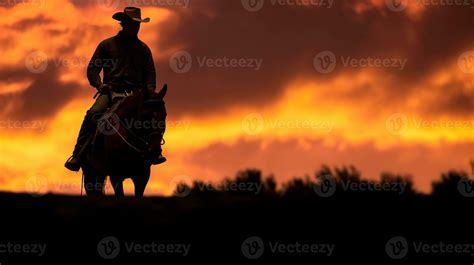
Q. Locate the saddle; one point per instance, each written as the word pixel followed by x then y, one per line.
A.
pixel 109 123
pixel 115 98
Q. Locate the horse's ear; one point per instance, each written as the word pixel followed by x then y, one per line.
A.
pixel 163 91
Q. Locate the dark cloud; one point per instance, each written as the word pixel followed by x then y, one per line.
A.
pixel 287 39
pixel 451 98
pixel 28 23
pixel 42 99
pixel 85 3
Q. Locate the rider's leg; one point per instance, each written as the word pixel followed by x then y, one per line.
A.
pixel 87 130
pixel 89 124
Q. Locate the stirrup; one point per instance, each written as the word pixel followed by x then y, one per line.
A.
pixel 73 166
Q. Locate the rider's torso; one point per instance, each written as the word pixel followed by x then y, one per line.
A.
pixel 124 62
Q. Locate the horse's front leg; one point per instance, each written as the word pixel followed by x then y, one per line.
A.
pixel 140 181
pixel 117 185
pixel 93 182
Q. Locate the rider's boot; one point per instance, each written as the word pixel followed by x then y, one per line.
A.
pixel 158 160
pixel 156 156
pixel 87 129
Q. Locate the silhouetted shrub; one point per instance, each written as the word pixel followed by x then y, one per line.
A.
pixel 250 182
pixel 449 184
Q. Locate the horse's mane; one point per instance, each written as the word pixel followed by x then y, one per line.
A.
pixel 132 104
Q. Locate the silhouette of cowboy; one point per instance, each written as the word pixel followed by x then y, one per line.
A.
pixel 128 65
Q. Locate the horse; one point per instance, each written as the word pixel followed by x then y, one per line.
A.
pixel 128 136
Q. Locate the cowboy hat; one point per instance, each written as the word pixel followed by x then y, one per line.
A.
pixel 131 12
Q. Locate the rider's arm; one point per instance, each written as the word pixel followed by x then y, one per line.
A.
pixel 150 72
pixel 95 67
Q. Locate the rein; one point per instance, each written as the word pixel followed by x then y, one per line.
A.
pixel 146 144
pixel 125 140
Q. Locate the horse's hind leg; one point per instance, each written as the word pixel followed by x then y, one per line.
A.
pixel 117 184
pixel 140 181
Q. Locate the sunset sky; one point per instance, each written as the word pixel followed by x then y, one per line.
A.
pixel 284 88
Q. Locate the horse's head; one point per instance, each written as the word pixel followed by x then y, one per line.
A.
pixel 144 115
pixel 153 113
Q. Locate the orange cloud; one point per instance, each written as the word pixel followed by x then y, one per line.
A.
pixel 286 118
